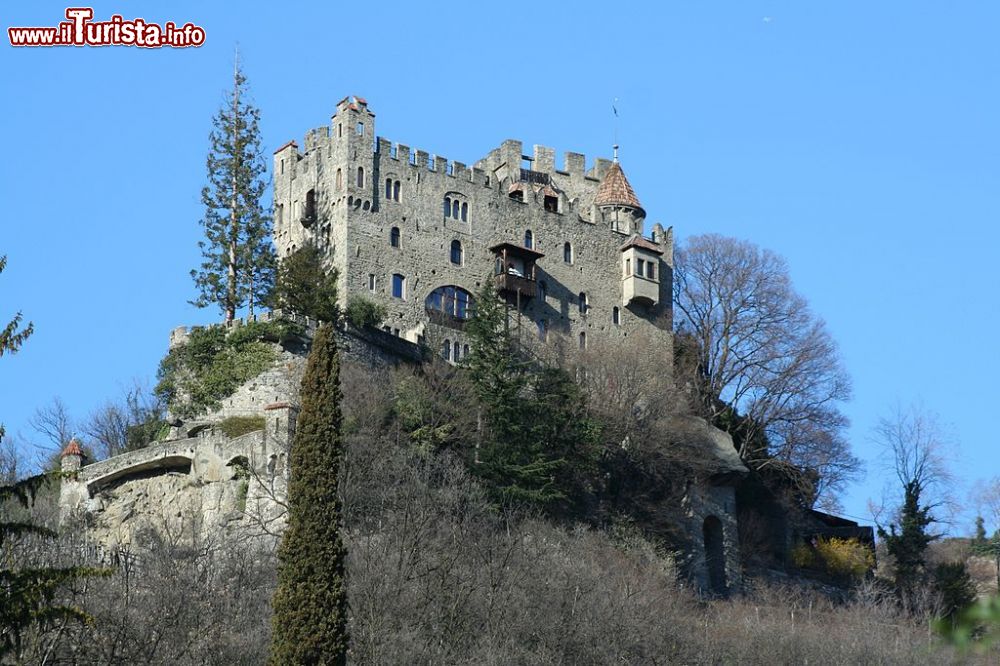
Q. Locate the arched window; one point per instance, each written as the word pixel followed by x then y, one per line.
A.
pixel 583 340
pixel 615 315
pixel 455 209
pixel 447 206
pixel 280 214
pixel 567 252
pixel 361 176
pixel 529 239
pixel 455 352
pixel 456 252
pixel 395 191
pixel 388 188
pixel 449 305
pixel 583 303
pixel 340 179
pixel 398 286
pixel 465 211
pixel 542 288
pixel 394 237
pixel 446 350
pixel 465 350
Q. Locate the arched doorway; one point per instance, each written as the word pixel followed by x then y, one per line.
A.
pixel 715 554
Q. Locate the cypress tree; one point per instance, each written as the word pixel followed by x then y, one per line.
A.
pixel 310 603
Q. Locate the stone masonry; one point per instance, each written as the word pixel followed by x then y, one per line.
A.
pixel 399 223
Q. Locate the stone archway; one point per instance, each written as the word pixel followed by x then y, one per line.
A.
pixel 715 554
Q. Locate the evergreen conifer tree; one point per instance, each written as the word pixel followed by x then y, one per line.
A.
pixel 304 286
pixel 27 594
pixel 238 258
pixel 310 603
pixel 908 546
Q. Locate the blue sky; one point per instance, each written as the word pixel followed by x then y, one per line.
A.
pixel 858 140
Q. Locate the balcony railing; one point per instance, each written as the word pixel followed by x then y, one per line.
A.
pixel 537 177
pixel 508 282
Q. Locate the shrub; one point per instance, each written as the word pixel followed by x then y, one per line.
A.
pixel 235 426
pixel 845 559
pixel 362 312
pixel 215 361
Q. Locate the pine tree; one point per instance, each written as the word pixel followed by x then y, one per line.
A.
pixel 537 444
pixel 310 603
pixel 27 595
pixel 908 546
pixel 980 531
pixel 304 286
pixel 238 258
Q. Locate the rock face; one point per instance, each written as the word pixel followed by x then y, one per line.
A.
pixel 192 488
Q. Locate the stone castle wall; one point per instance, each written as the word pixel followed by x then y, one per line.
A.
pixel 354 222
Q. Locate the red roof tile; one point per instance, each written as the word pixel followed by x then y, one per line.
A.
pixel 72 449
pixel 615 189
pixel 645 244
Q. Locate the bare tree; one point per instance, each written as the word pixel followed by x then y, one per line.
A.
pixel 117 426
pixel 916 449
pixel 761 353
pixel 55 426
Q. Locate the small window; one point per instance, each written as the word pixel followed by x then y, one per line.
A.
pixel 465 212
pixel 465 350
pixel 583 340
pixel 628 267
pixel 529 239
pixel 650 270
pixel 361 176
pixel 388 188
pixel 340 180
pixel 615 316
pixel 455 209
pixel 310 213
pixel 517 195
pixel 361 129
pixel 543 330
pixel 583 303
pixel 542 288
pixel 640 267
pixel 395 191
pixel 340 129
pixel 282 166
pixel 446 350
pixel 456 252
pixel 447 206
pixel 371 282
pixel 398 286
pixel 394 237
pixel 280 214
pixel 455 350
pixel 568 253
pixel 551 204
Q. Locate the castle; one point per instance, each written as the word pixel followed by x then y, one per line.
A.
pixel 420 234
pixel 566 248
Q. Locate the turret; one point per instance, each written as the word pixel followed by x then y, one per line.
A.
pixel 71 458
pixel 616 203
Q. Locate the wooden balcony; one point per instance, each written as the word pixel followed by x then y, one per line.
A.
pixel 508 283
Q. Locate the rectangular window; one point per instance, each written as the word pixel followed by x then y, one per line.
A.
pixel 650 270
pixel 398 286
pixel 628 267
pixel 371 282
pixel 640 267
